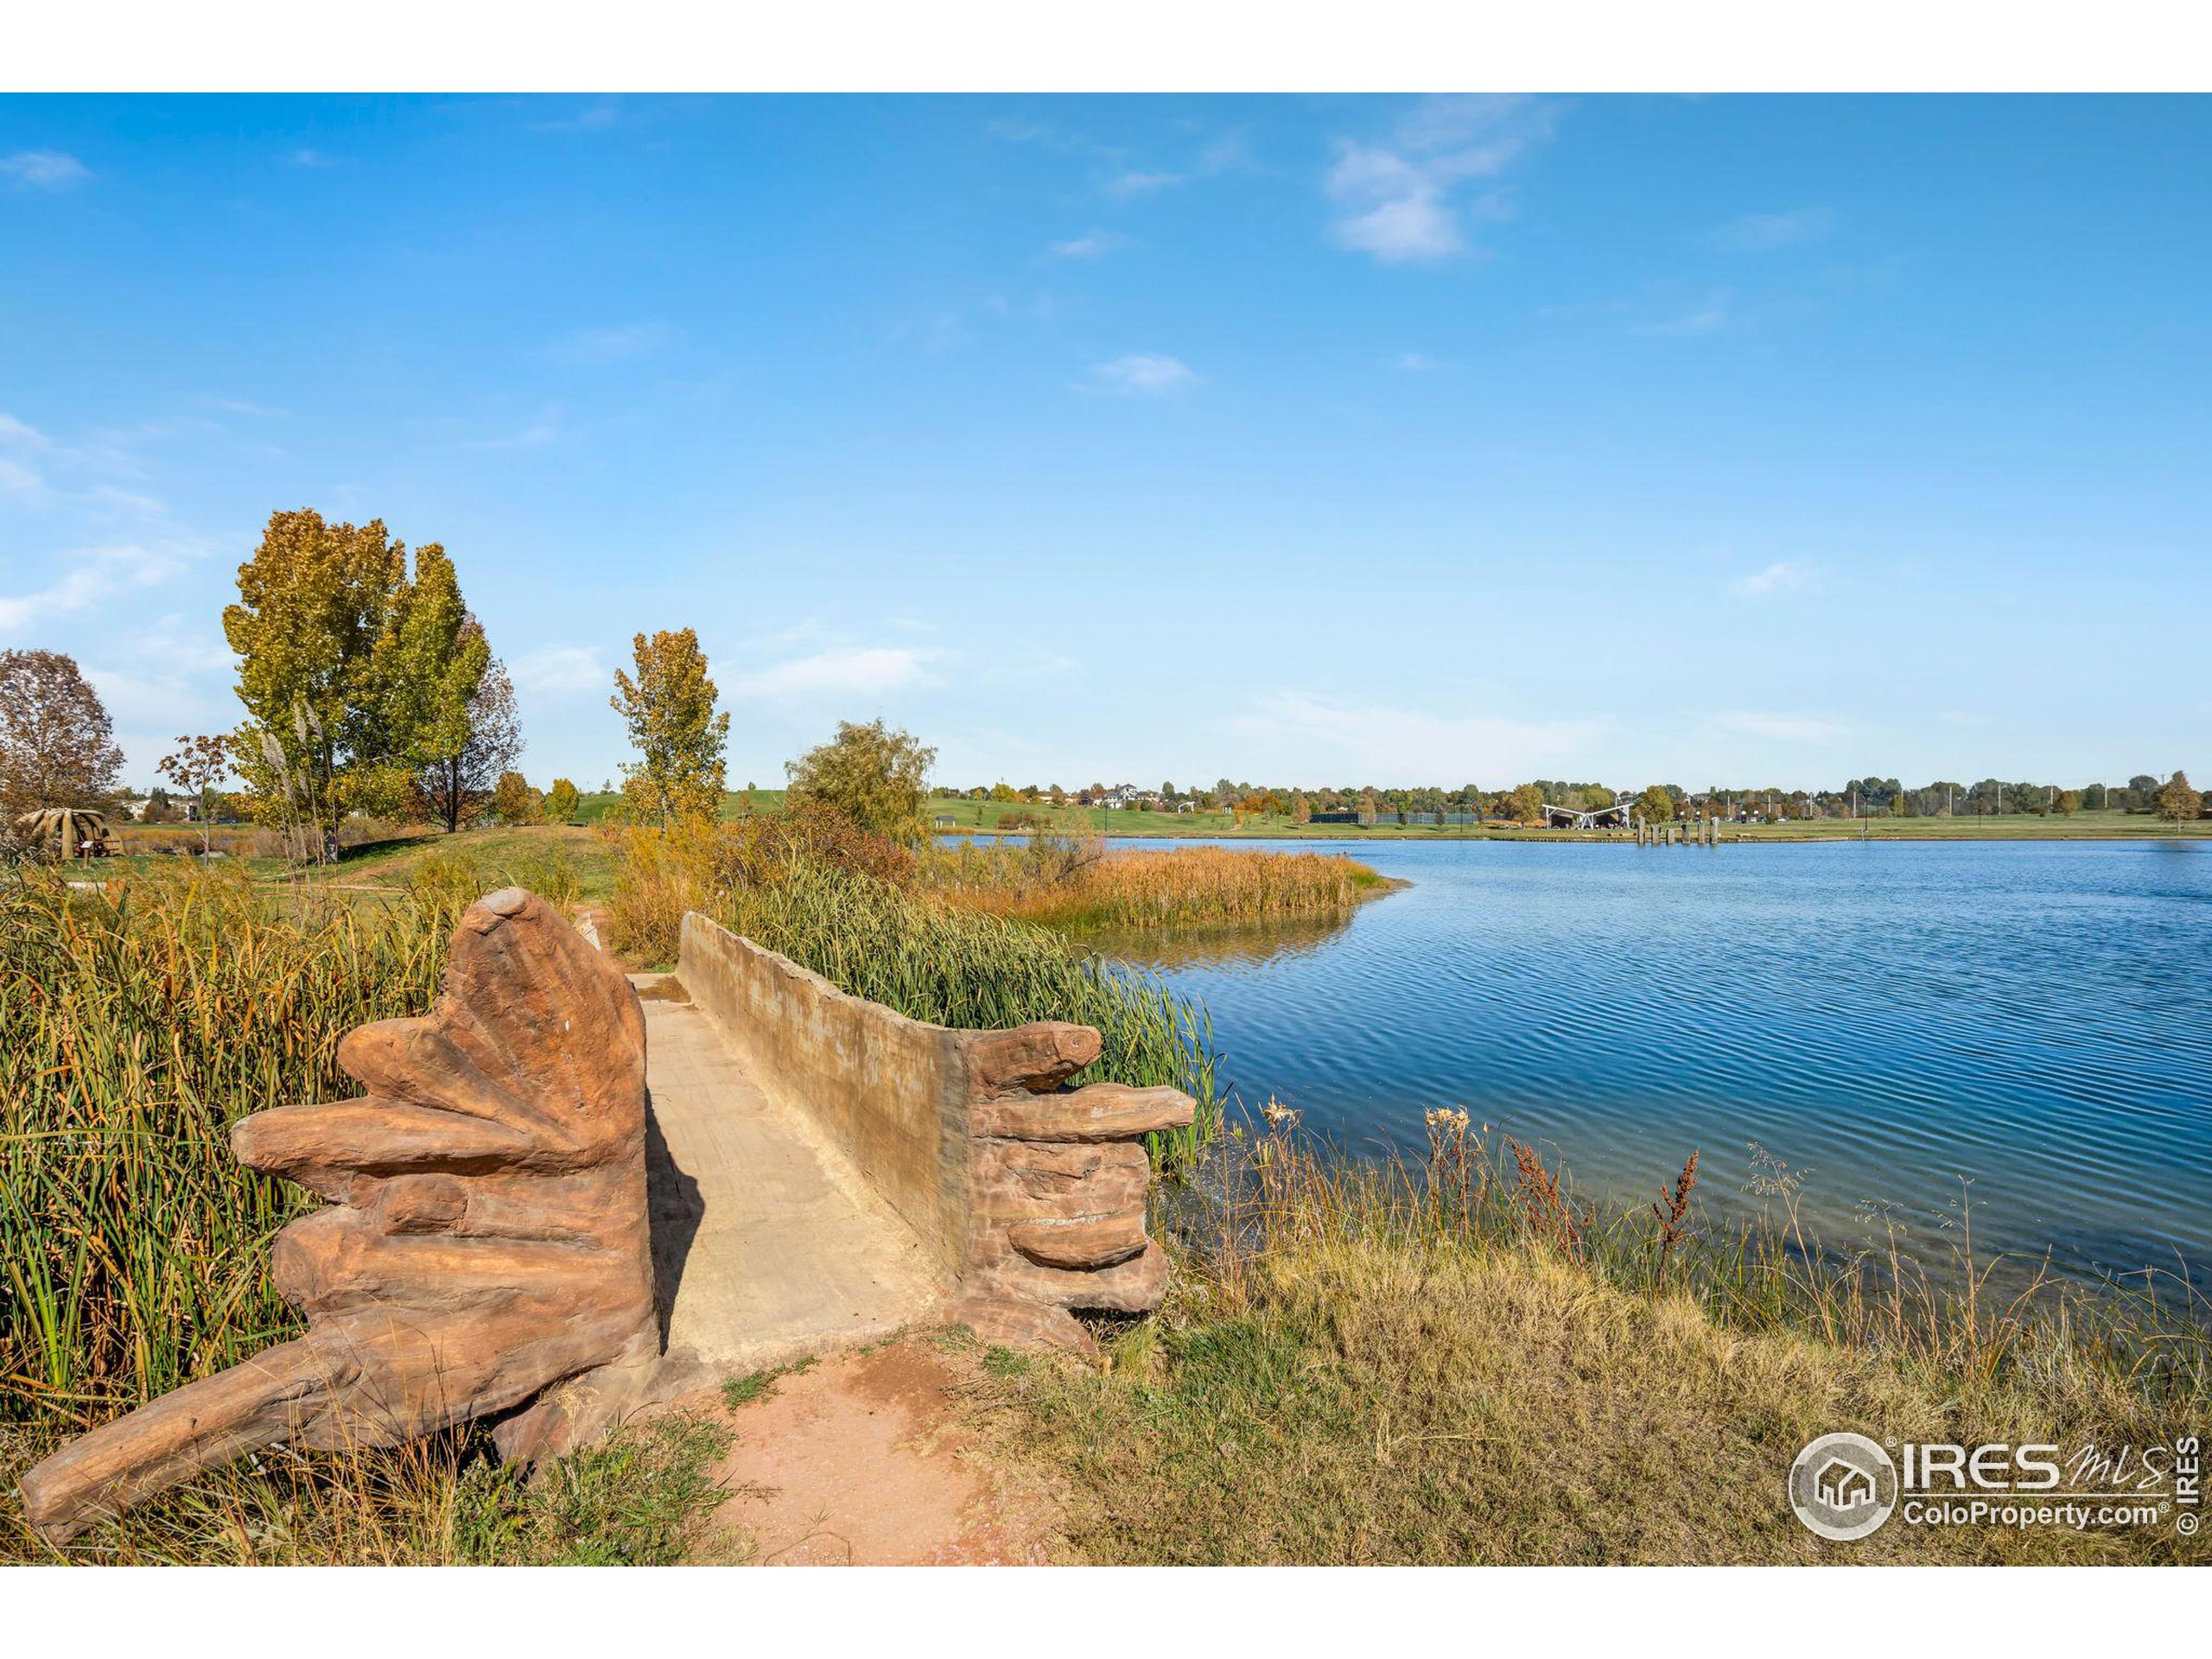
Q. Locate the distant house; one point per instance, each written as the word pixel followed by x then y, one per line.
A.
pixel 181 811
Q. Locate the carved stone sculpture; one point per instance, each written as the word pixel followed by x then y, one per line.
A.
pixel 487 1237
pixel 1057 1183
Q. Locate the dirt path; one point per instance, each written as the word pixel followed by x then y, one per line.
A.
pixel 876 1459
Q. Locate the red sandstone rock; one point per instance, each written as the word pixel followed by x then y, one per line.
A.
pixel 1104 1111
pixel 489 1236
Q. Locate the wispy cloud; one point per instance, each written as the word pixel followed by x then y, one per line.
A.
pixel 1761 232
pixel 245 406
pixel 1711 315
pixel 545 429
pixel 1135 182
pixel 558 669
pixel 312 158
pixel 1092 244
pixel 1301 735
pixel 1149 371
pixel 90 574
pixel 1789 728
pixel 1418 363
pixel 597 347
pixel 1118 170
pixel 1399 199
pixel 1778 577
pixel 43 169
pixel 592 117
pixel 865 671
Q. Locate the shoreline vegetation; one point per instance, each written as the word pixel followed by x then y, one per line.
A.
pixel 1443 1358
pixel 1079 886
pixel 1449 1359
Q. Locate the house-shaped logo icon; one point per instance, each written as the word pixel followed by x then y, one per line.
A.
pixel 1843 1486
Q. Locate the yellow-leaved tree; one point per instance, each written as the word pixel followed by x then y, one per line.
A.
pixel 357 667
pixel 877 777
pixel 670 710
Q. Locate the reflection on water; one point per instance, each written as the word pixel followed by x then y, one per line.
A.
pixel 1889 1020
pixel 1243 945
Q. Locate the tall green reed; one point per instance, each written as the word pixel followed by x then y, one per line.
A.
pixel 136 1025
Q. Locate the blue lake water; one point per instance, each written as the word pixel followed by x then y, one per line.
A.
pixel 1886 1019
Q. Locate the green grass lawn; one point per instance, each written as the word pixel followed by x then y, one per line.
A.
pixel 496 853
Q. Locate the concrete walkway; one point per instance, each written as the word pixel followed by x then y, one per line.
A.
pixel 767 1244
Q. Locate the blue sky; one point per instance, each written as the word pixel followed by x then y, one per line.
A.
pixel 1336 440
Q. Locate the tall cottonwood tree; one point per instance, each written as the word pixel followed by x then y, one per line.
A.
pixel 57 743
pixel 668 709
pixel 331 623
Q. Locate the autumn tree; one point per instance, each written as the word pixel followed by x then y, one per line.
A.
pixel 1655 805
pixel 457 784
pixel 2177 802
pixel 513 801
pixel 669 711
pixel 57 744
pixel 875 777
pixel 1525 804
pixel 196 766
pixel 562 801
pixel 1300 811
pixel 354 666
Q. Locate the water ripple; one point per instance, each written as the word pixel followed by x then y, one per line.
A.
pixel 1896 1019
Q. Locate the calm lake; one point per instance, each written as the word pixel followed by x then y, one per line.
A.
pixel 1886 1019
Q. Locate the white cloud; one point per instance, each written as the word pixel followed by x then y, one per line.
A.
pixel 149 703
pixel 17 479
pixel 596 347
pixel 558 669
pixel 1136 183
pixel 1761 232
pixel 1314 739
pixel 1778 577
pixel 1145 372
pixel 1790 728
pixel 539 433
pixel 312 158
pixel 839 671
pixel 1417 363
pixel 1092 244
pixel 1713 313
pixel 1397 198
pixel 43 169
pixel 93 574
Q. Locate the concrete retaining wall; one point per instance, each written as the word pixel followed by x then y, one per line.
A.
pixel 1028 1194
pixel 890 1092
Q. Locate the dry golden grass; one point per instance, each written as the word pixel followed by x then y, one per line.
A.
pixel 1420 1366
pixel 1081 886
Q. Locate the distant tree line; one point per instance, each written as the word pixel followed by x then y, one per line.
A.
pixel 2170 797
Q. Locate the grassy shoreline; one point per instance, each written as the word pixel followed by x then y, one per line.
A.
pixel 1446 1361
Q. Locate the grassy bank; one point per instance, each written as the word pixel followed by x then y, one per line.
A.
pixel 852 909
pixel 639 1500
pixel 1451 1362
pixel 1078 886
